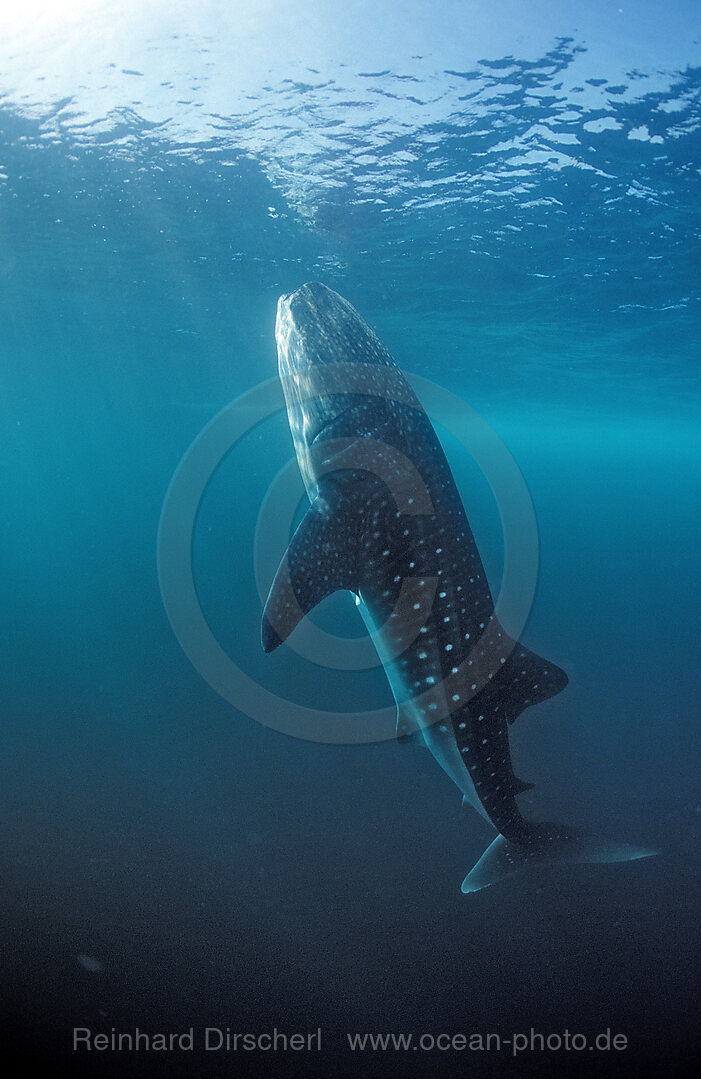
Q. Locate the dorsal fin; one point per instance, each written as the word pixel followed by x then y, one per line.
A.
pixel 527 679
pixel 320 560
pixel 520 786
pixel 523 679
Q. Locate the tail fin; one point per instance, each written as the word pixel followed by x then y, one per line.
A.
pixel 546 844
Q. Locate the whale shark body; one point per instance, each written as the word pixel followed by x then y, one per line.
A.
pixel 386 523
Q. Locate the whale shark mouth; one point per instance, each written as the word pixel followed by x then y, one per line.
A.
pixel 337 426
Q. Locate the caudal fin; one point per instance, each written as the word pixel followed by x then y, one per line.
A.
pixel 546 844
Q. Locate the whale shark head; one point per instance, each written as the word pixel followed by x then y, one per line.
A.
pixel 316 327
pixel 320 338
pixel 337 376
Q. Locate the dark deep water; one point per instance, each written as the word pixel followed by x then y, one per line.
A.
pixel 170 863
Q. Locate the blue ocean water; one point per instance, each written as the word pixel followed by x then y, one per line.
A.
pixel 510 195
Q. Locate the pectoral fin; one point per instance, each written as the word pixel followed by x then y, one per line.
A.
pixel 320 560
pixel 407 731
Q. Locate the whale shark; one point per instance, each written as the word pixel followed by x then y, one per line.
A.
pixel 387 524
